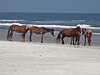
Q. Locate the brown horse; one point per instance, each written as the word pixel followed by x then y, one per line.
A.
pixel 40 30
pixel 73 33
pixel 20 29
pixel 87 34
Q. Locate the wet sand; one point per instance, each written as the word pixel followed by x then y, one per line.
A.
pixel 48 38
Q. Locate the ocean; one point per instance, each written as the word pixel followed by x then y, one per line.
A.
pixel 57 21
pixel 52 20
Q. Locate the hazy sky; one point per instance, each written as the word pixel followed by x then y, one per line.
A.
pixel 50 6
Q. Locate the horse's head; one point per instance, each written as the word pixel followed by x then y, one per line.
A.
pixel 52 32
pixel 78 29
pixel 83 30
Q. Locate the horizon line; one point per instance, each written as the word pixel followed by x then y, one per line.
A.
pixel 57 12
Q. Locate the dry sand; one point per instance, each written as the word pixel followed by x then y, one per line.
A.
pixel 23 58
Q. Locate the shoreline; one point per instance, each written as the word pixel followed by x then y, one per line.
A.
pixel 48 38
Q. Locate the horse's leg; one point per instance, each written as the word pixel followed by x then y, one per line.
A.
pixel 30 36
pixel 23 37
pixel 71 40
pixel 11 36
pixel 89 41
pixel 8 34
pixel 42 38
pixel 90 37
pixel 62 40
pixel 85 41
pixel 74 42
pixel 78 41
pixel 59 40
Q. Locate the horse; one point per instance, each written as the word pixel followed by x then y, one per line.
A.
pixel 39 30
pixel 16 28
pixel 73 33
pixel 87 34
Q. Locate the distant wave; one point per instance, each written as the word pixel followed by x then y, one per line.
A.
pixel 43 21
pixel 51 26
pixel 3 20
pixel 59 22
pixel 9 24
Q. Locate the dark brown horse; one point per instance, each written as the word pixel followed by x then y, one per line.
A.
pixel 40 30
pixel 16 28
pixel 87 34
pixel 73 33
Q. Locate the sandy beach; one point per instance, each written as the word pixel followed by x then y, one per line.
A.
pixel 80 17
pixel 22 58
pixel 48 58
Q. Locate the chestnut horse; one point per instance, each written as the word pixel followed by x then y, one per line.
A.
pixel 40 30
pixel 20 29
pixel 87 34
pixel 73 33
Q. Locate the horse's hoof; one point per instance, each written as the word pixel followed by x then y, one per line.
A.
pixel 74 44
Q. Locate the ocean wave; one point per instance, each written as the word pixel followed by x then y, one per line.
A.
pixel 9 24
pixel 43 21
pixel 51 26
pixel 87 26
pixel 60 22
pixel 3 20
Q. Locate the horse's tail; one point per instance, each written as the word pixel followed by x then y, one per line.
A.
pixel 58 37
pixel 8 34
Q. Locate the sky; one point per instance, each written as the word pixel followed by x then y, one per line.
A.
pixel 50 6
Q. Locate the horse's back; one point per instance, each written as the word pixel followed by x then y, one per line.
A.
pixel 18 28
pixel 36 30
pixel 89 30
pixel 40 30
pixel 67 32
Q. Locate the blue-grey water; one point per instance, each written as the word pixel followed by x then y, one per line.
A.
pixel 62 19
pixel 51 19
